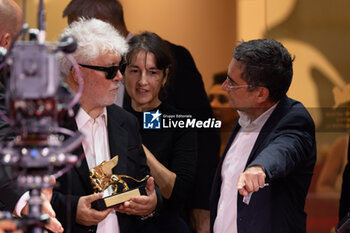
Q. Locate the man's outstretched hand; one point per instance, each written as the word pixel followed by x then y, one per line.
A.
pixel 251 180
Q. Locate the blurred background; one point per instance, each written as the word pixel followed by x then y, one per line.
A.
pixel 316 32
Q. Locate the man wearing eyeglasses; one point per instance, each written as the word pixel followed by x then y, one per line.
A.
pixel 109 131
pixel 266 169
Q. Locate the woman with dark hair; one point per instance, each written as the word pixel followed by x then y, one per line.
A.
pixel 171 152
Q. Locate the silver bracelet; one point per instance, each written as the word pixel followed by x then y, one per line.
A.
pixel 148 216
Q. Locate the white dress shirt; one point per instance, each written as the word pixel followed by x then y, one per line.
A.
pixel 233 165
pixel 96 149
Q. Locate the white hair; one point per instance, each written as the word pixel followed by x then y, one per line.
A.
pixel 94 38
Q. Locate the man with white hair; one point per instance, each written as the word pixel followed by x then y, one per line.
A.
pixel 190 98
pixel 109 131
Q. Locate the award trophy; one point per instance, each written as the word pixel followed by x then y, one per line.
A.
pixel 101 178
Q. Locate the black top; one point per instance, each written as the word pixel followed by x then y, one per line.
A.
pixel 186 92
pixel 176 149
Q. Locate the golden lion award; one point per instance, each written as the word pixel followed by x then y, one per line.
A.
pixel 101 178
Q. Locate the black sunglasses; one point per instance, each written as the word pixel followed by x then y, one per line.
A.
pixel 111 71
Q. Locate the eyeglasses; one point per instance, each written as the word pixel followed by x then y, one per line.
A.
pixel 231 85
pixel 111 71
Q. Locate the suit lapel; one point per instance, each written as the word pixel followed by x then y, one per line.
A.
pixel 230 140
pixel 81 167
pixel 118 140
pixel 269 125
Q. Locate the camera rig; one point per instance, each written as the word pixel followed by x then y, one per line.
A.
pixel 36 98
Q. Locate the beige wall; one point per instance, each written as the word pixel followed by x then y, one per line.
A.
pixel 209 29
pixel 205 27
pixel 317 32
pixel 314 31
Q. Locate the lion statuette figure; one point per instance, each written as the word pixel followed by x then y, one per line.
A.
pixel 101 177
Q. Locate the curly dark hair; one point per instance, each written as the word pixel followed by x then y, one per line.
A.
pixel 267 63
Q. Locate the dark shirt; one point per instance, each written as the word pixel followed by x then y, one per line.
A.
pixel 174 148
pixel 187 93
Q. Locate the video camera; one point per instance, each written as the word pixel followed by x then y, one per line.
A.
pixel 36 99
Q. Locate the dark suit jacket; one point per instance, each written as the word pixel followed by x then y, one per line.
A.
pixel 124 140
pixel 4 127
pixel 9 193
pixel 286 149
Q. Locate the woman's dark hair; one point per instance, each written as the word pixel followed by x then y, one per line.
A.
pixel 150 42
pixel 267 63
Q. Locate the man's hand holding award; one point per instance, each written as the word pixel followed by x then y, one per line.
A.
pixel 101 178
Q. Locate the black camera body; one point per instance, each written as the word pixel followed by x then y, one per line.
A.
pixel 32 92
pixel 34 73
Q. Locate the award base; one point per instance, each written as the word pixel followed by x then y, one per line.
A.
pixel 116 199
